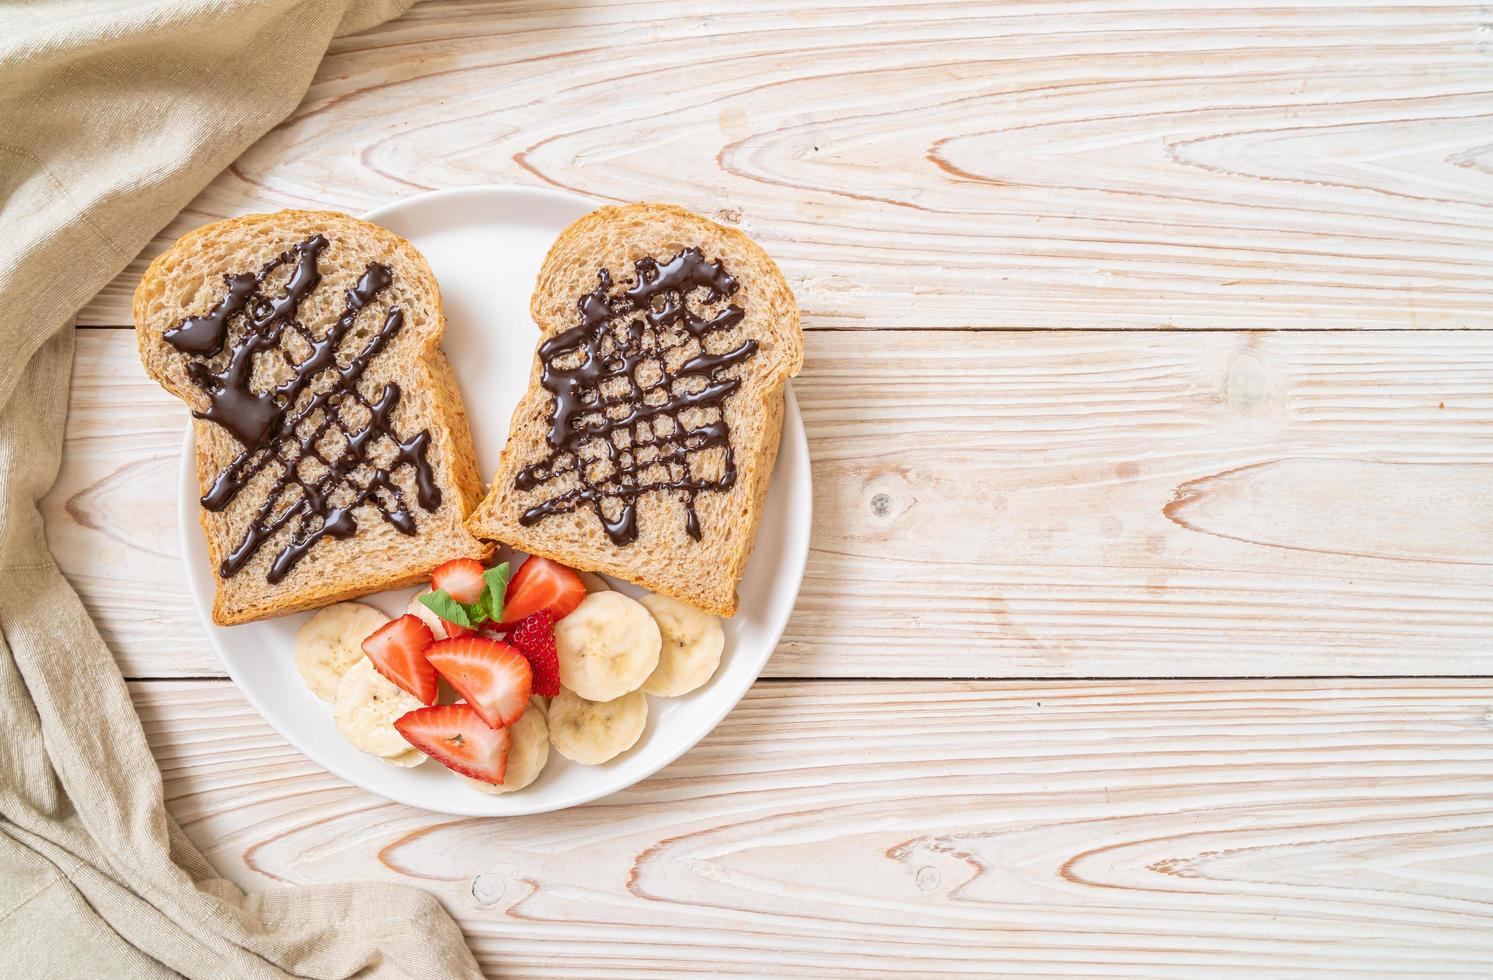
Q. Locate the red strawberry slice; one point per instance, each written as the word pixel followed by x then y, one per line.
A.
pixel 461 578
pixel 534 636
pixel 456 737
pixel 397 650
pixel 542 584
pixel 455 631
pixel 493 677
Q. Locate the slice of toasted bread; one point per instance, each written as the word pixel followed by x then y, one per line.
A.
pixel 333 451
pixel 645 442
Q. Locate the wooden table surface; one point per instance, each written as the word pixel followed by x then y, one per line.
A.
pixel 1148 623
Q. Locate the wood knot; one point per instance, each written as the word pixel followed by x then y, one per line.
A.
pixel 488 888
pixel 1248 386
pixel 884 499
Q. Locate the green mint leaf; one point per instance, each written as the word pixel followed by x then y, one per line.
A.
pixel 491 603
pixel 441 603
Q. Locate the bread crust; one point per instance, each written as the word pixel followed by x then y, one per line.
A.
pixel 704 574
pixel 369 561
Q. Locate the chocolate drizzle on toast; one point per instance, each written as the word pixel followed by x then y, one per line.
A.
pixel 304 429
pixel 623 380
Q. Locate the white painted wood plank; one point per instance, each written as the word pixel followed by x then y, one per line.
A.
pixel 1014 504
pixel 1075 164
pixel 1159 829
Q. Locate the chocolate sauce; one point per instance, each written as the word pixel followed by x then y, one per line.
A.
pixel 284 425
pixel 645 325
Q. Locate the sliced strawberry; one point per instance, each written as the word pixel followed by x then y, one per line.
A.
pixel 534 637
pixel 454 631
pixel 397 650
pixel 542 584
pixel 461 578
pixel 456 736
pixel 493 677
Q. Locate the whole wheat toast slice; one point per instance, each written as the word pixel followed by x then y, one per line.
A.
pixel 334 456
pixel 644 445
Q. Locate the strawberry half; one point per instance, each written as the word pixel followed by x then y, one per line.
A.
pixel 455 631
pixel 456 737
pixel 493 677
pixel 461 578
pixel 534 637
pixel 397 650
pixel 542 584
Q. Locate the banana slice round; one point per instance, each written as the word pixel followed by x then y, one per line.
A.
pixel 422 611
pixel 693 641
pixel 406 760
pixel 594 582
pixel 591 732
pixel 527 754
pixel 607 647
pixel 366 708
pixel 332 641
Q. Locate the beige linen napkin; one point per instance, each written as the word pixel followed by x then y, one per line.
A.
pixel 112 116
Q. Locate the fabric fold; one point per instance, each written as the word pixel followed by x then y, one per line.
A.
pixel 114 117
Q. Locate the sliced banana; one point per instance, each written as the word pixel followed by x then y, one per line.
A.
pixel 693 641
pixel 366 708
pixel 591 732
pixel 406 760
pixel 527 754
pixel 423 612
pixel 594 582
pixel 332 641
pixel 607 647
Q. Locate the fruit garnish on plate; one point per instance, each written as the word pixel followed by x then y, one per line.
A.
pixel 494 678
pixel 593 732
pixel 456 736
pixel 397 650
pixel 466 596
pixel 528 753
pixel 693 641
pixel 542 584
pixel 574 672
pixel 330 642
pixel 365 709
pixel 439 628
pixel 534 637
pixel 461 579
pixel 607 647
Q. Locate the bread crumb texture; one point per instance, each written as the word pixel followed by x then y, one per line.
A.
pixel 651 454
pixel 189 280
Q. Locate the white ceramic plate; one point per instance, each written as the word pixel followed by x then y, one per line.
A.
pixel 486 244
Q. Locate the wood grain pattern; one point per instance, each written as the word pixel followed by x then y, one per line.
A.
pixel 1050 483
pixel 1072 164
pixel 1014 504
pixel 1161 829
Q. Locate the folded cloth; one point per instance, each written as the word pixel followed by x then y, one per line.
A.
pixel 112 116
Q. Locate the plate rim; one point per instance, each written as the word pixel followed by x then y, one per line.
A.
pixel 189 538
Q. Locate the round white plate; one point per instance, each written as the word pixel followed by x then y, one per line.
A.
pixel 486 244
